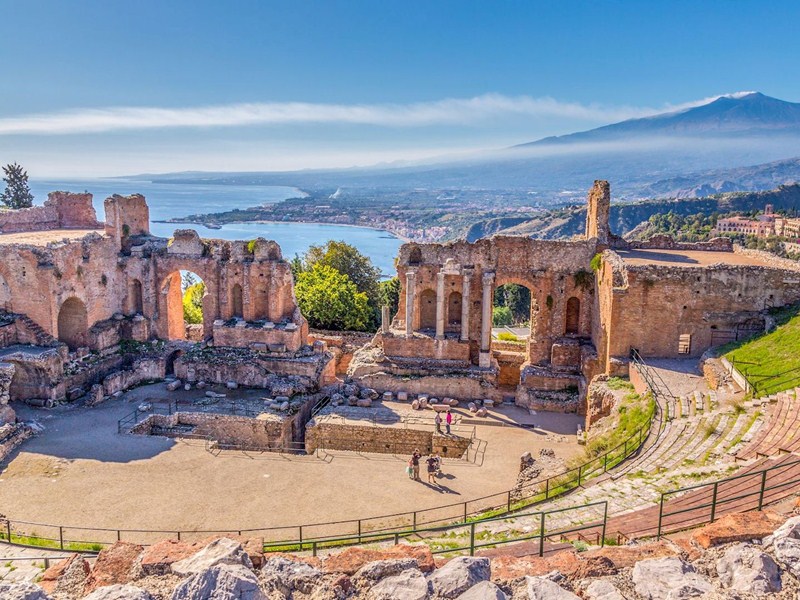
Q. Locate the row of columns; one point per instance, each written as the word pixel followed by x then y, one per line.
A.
pixel 486 308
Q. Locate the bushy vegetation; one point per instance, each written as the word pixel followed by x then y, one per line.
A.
pixel 512 305
pixel 770 361
pixel 193 303
pixel 634 412
pixel 358 270
pixel 507 336
pixel 330 300
pixel 390 294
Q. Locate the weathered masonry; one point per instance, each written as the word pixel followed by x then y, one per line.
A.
pixel 67 303
pixel 593 300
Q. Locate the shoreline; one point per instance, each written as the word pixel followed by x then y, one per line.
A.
pixel 266 222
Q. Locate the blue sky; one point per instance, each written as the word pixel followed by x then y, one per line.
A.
pixel 123 87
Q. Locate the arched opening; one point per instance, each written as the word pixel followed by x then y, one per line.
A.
pixel 511 331
pixel 184 294
pixel 573 319
pixel 5 295
pixel 135 303
pixel 237 303
pixel 415 256
pixel 73 323
pixel 454 309
pixel 427 310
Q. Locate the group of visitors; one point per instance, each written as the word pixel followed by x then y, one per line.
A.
pixel 448 420
pixel 433 462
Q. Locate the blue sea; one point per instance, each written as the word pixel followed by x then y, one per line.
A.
pixel 168 200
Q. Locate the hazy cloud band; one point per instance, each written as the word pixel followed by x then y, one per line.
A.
pixel 454 111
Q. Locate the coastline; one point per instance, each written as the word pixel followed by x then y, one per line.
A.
pixel 264 221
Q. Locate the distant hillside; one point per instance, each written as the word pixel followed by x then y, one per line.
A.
pixel 744 113
pixel 625 217
pixel 686 153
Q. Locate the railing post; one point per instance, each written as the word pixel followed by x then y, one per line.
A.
pixel 313 548
pixel 359 531
pixel 119 535
pixel 763 487
pixel 61 537
pixel 547 488
pixel 541 535
pixel 8 530
pixel 301 537
pixel 580 467
pixel 509 500
pixel 179 536
pixel 714 502
pixel 660 516
pixel 472 539
pixel 415 522
pixel 605 520
pixel 605 463
pixel 625 449
pixel 465 512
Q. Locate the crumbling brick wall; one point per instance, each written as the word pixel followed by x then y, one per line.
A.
pixel 61 210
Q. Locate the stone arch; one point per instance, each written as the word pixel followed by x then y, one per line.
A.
pixel 73 323
pixel 5 294
pixel 427 309
pixel 237 302
pixel 454 309
pixel 415 256
pixel 573 316
pixel 135 300
pixel 172 304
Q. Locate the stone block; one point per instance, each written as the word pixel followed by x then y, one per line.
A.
pixel 402 396
pixel 174 385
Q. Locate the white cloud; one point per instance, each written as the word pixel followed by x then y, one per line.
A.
pixel 452 111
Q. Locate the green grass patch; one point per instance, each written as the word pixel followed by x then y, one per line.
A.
pixel 618 383
pixel 770 361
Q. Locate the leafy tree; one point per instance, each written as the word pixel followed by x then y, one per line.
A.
pixel 502 317
pixel 347 260
pixel 193 303
pixel 17 193
pixel 517 298
pixel 188 280
pixel 330 300
pixel 390 294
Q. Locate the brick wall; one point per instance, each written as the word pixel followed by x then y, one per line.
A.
pixel 61 210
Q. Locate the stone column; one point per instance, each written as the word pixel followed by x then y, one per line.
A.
pixel 486 320
pixel 385 319
pixel 465 307
pixel 440 306
pixel 411 284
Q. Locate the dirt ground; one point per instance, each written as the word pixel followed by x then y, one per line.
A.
pixel 42 238
pixel 80 472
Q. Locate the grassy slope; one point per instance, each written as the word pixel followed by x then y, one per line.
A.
pixel 771 361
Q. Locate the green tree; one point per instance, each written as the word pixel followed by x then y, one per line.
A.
pixel 502 317
pixel 347 260
pixel 390 294
pixel 17 193
pixel 193 303
pixel 517 298
pixel 330 300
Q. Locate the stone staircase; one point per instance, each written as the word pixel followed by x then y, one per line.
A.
pixel 41 337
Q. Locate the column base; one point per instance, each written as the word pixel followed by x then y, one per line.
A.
pixel 485 359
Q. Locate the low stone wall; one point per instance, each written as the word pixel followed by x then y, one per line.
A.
pixel 667 242
pixel 142 370
pixel 61 210
pixel 456 386
pixel 382 440
pixel 227 430
pixel 245 335
pixel 425 346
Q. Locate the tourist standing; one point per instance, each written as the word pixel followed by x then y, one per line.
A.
pixel 432 466
pixel 415 463
pixel 438 420
pixel 448 420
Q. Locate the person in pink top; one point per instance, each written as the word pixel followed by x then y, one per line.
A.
pixel 448 420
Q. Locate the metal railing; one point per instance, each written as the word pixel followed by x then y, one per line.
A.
pixel 42 535
pixel 657 385
pixel 702 503
pixel 468 530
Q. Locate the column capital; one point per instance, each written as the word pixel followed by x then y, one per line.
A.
pixel 488 277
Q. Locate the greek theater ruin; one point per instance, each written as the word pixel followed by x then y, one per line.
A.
pixel 90 309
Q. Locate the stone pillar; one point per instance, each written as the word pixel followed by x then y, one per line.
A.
pixel 385 319
pixel 440 306
pixel 411 284
pixel 486 321
pixel 465 307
